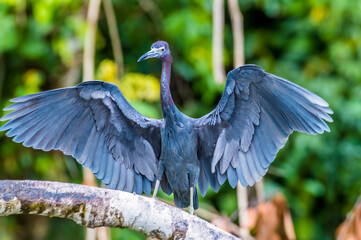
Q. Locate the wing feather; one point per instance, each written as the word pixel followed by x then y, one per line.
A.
pixel 122 178
pixel 232 177
pixel 95 124
pixel 252 122
pixel 146 186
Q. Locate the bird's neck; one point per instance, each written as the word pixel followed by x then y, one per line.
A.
pixel 165 95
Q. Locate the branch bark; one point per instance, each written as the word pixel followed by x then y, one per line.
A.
pixel 95 207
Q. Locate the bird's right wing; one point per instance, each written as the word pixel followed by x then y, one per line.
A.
pixel 240 138
pixel 95 124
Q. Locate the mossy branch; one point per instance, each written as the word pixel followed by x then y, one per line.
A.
pixel 95 207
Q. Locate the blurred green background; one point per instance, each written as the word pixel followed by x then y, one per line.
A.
pixel 314 43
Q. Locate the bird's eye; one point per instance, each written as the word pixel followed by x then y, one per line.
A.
pixel 162 49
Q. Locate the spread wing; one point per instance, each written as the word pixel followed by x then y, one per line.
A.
pixel 95 124
pixel 240 138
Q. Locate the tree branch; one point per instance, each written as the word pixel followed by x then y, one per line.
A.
pixel 95 207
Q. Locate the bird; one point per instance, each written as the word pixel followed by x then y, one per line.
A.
pixel 238 140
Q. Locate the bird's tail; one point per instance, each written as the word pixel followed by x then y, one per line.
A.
pixel 181 199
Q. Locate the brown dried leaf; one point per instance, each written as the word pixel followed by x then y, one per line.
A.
pixel 350 229
pixel 273 220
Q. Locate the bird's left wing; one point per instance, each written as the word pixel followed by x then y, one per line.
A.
pixel 95 124
pixel 240 138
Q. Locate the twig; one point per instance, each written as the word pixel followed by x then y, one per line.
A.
pixel 88 60
pixel 260 191
pixel 71 76
pixel 154 12
pixel 238 60
pixel 88 74
pixel 114 37
pixel 237 29
pixel 217 45
pixel 89 41
pixel 95 207
pixel 242 199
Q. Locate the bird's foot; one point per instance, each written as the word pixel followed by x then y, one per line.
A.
pixel 191 210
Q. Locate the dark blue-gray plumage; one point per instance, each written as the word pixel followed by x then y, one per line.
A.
pixel 238 140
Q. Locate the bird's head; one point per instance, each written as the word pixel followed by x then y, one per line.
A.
pixel 158 49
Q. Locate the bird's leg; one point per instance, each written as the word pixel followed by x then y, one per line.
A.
pixel 156 188
pixel 191 208
pixel 191 177
pixel 159 178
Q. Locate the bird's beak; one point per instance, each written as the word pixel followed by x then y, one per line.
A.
pixel 151 54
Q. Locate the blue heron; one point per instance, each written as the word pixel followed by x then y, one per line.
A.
pixel 238 140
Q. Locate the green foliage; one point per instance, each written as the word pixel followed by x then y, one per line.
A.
pixel 313 43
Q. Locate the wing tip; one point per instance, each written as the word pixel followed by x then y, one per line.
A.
pixel 3 119
pixel 9 108
pixel 329 110
pixel 23 98
pixel 251 67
